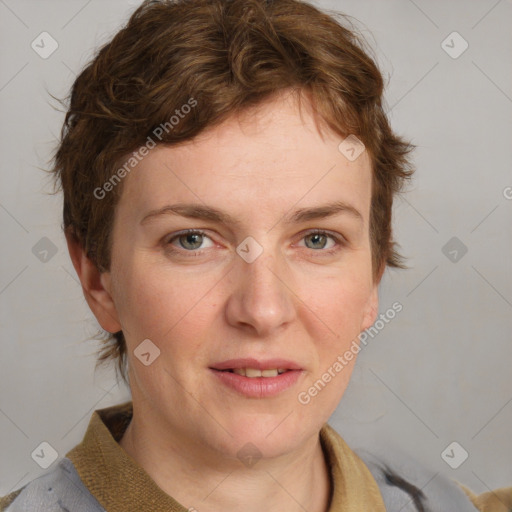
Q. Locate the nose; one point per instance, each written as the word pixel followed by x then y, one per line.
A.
pixel 262 300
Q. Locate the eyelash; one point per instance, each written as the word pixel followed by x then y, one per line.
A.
pixel 340 242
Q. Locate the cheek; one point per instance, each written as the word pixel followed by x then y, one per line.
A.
pixel 340 302
pixel 339 306
pixel 156 304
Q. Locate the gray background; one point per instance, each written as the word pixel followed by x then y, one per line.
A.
pixel 439 372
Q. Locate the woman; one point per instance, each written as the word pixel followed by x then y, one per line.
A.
pixel 228 176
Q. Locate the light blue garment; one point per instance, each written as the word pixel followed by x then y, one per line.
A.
pixel 440 493
pixel 59 490
pixel 62 490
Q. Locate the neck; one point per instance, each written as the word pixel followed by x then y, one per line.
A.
pixel 294 482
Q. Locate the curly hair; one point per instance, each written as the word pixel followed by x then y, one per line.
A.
pixel 228 55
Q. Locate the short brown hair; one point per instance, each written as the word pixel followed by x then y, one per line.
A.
pixel 228 55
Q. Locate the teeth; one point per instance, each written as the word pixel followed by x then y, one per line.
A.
pixel 253 372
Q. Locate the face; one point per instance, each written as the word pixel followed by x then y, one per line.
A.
pixel 269 271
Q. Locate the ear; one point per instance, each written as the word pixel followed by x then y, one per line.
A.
pixel 95 285
pixel 371 308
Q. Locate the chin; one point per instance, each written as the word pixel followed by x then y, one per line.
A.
pixel 266 435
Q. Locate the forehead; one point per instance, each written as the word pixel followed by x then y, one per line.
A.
pixel 265 159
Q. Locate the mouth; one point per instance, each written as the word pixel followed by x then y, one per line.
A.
pixel 251 367
pixel 258 379
pixel 254 372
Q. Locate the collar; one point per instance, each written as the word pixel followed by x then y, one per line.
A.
pixel 119 484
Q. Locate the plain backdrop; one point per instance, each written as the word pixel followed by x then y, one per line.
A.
pixel 438 373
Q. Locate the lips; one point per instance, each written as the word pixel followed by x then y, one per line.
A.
pixel 267 364
pixel 258 379
pixel 251 363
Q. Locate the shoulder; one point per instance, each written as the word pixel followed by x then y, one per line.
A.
pixel 497 500
pixel 407 485
pixel 58 490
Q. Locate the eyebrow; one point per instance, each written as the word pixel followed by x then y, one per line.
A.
pixel 196 211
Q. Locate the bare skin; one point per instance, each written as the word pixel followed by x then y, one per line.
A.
pixel 295 301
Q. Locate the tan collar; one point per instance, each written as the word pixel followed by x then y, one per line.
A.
pixel 354 488
pixel 121 485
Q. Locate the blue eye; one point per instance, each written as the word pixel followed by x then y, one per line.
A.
pixel 190 242
pixel 189 238
pixel 319 236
